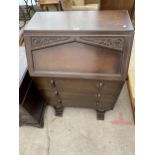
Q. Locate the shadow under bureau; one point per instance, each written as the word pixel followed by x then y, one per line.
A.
pixel 79 58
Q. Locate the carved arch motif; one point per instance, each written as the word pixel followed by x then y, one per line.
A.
pixel 102 41
pixel 47 41
pixel 109 42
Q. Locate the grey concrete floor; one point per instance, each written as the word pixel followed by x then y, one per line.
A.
pixel 79 133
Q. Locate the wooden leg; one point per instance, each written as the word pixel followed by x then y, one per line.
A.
pixel 100 114
pixel 59 108
pixel 59 111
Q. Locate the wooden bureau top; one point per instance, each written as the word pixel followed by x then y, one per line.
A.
pixel 117 20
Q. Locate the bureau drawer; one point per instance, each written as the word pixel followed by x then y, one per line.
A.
pixel 79 86
pixel 70 85
pixel 71 99
pixel 87 101
pixel 78 100
pixel 88 86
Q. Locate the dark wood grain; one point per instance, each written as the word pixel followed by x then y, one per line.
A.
pixel 82 62
pixel 80 21
pixel 78 85
pixel 65 58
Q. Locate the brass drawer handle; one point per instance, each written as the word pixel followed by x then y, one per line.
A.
pixel 97 104
pixel 56 93
pixel 52 82
pixel 100 84
pixel 98 95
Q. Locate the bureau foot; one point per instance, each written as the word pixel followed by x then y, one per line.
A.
pixel 59 111
pixel 100 114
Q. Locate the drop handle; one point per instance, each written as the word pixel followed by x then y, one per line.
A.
pixel 98 95
pixel 97 104
pixel 56 93
pixel 53 83
pixel 100 84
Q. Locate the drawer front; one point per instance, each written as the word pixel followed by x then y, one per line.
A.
pixel 88 86
pixel 80 93
pixel 87 101
pixel 68 99
pixel 79 86
pixel 78 100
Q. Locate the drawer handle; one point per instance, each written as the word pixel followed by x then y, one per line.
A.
pixel 56 93
pixel 98 95
pixel 53 83
pixel 97 104
pixel 100 84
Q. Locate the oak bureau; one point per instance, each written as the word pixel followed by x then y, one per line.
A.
pixel 79 58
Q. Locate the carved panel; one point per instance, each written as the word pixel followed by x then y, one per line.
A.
pixel 47 41
pixel 109 42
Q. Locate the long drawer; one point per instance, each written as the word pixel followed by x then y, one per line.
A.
pixel 79 85
pixel 88 101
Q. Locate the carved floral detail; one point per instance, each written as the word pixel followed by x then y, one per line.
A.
pixel 46 41
pixel 39 42
pixel 115 43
